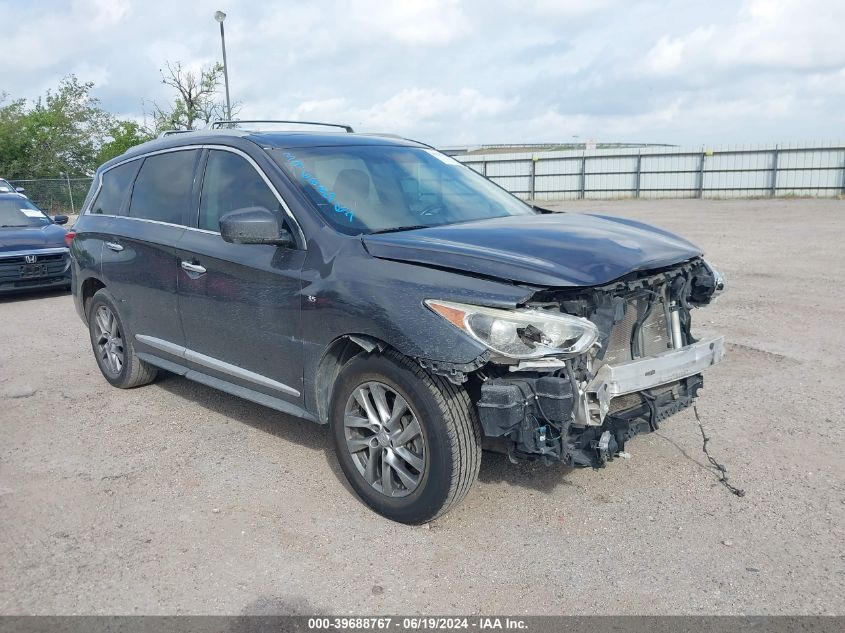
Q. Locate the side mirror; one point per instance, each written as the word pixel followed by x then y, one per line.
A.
pixel 254 225
pixel 60 219
pixel 20 189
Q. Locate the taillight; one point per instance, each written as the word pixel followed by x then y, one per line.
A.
pixel 69 238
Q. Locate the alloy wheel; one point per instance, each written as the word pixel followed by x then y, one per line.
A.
pixel 384 437
pixel 109 339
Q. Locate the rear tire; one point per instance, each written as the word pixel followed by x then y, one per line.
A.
pixel 408 473
pixel 113 345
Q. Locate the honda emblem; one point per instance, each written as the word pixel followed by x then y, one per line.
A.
pixel 30 259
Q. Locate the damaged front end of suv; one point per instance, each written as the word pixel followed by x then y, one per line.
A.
pixel 575 373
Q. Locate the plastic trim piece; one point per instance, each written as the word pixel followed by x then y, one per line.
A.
pixel 223 385
pixel 215 364
pixel 35 251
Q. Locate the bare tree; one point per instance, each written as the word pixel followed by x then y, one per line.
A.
pixel 196 101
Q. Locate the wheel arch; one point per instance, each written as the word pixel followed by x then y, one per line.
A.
pixel 337 353
pixel 87 290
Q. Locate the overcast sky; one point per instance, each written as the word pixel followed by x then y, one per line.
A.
pixel 450 72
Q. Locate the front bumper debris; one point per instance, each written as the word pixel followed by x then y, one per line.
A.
pixel 555 418
pixel 646 373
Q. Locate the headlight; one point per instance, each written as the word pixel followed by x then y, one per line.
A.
pixel 520 334
pixel 719 282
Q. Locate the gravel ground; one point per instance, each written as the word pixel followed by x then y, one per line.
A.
pixel 174 498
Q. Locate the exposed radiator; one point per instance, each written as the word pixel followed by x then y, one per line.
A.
pixel 655 336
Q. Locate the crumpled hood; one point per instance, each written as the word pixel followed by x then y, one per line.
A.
pixel 558 250
pixel 31 237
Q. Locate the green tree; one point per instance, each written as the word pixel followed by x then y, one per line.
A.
pixel 196 101
pixel 121 136
pixel 64 132
pixel 13 142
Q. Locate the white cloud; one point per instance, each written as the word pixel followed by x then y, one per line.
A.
pixel 448 71
pixel 103 14
pixel 419 107
pixel 41 39
pixel 409 111
pixel 565 8
pixel 417 21
pixel 776 34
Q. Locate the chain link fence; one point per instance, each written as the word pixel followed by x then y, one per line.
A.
pixel 56 195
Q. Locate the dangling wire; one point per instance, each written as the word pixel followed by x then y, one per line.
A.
pixel 720 468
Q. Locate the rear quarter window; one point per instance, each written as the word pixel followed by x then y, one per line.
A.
pixel 162 190
pixel 115 188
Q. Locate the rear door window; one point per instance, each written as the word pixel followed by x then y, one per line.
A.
pixel 231 183
pixel 115 187
pixel 162 190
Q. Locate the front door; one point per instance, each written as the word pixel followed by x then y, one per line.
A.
pixel 240 303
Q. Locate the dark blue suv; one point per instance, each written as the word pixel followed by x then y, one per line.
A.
pixel 374 284
pixel 33 253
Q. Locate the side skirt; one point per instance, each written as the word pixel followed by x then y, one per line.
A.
pixel 236 390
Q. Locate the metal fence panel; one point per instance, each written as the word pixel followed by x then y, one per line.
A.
pixel 558 166
pixel 816 169
pixel 610 183
pixel 508 169
pixel 568 183
pixel 655 183
pixel 514 184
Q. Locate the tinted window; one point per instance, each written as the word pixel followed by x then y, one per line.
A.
pixel 162 190
pixel 231 183
pixel 116 182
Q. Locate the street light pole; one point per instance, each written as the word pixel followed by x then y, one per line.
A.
pixel 220 16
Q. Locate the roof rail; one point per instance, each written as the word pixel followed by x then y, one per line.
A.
pixel 171 132
pixel 219 124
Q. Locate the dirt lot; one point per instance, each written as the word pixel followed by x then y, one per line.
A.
pixel 174 498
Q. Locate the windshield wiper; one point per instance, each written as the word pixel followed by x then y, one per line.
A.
pixel 394 229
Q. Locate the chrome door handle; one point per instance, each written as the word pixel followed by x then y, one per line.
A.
pixel 114 246
pixel 193 268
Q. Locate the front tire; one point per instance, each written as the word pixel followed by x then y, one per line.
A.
pixel 113 346
pixel 407 441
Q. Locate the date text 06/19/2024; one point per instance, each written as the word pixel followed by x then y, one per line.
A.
pixel 417 623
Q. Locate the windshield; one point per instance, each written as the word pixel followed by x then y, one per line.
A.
pixel 365 189
pixel 20 212
pixel 5 187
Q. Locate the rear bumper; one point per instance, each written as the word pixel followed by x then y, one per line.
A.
pixel 617 380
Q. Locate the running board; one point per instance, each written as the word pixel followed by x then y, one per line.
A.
pixel 223 385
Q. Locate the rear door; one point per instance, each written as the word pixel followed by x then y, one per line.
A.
pixel 139 258
pixel 96 226
pixel 240 303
